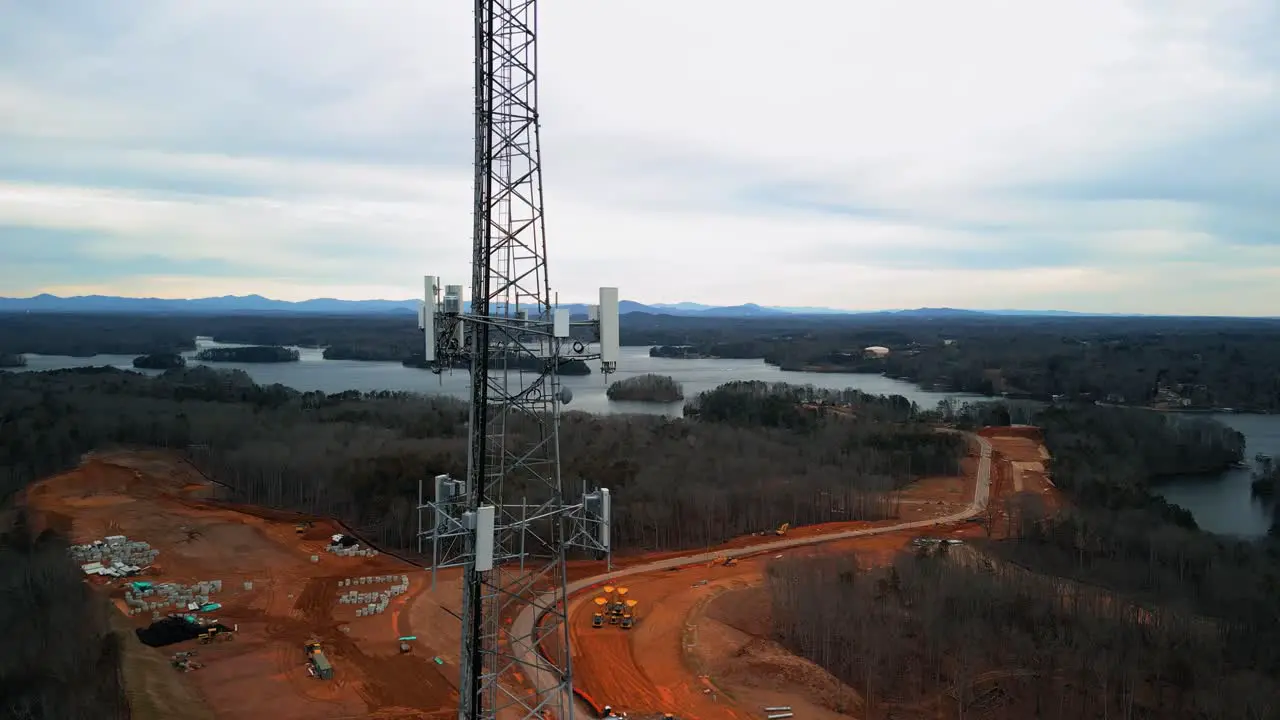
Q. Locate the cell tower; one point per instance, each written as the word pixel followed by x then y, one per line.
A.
pixel 515 340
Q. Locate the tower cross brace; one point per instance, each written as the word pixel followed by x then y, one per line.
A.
pixel 513 340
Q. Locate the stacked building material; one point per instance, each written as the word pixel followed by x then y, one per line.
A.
pixel 114 556
pixel 374 602
pixel 191 598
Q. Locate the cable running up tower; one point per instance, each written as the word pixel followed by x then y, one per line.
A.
pixel 508 523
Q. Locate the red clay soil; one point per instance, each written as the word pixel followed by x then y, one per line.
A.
pixel 1021 460
pixel 262 673
pixel 663 665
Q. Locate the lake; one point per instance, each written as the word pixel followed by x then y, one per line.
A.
pixel 313 373
pixel 1222 504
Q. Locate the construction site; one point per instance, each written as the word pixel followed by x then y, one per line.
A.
pixel 244 612
pixel 233 611
pixel 239 612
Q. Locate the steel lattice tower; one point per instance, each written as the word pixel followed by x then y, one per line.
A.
pixel 514 340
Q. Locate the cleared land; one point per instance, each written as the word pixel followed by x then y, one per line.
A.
pixel 158 499
pixel 701 644
pixel 702 647
pixel 681 658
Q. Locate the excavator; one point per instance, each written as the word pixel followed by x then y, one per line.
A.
pixel 629 614
pixel 597 617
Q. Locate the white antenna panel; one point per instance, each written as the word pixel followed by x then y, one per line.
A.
pixel 485 524
pixel 561 322
pixel 430 285
pixel 606 517
pixel 609 348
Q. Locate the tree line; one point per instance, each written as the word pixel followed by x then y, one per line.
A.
pixel 61 658
pixel 930 636
pixel 1175 363
pixel 1123 635
pixel 358 457
pixel 1166 362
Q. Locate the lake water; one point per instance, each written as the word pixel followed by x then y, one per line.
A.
pixel 313 372
pixel 1221 504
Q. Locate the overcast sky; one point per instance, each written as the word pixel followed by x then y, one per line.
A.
pixel 1097 155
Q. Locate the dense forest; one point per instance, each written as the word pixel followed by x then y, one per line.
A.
pixel 676 483
pixel 1176 363
pixel 649 387
pixel 60 657
pixel 1115 607
pixel 935 636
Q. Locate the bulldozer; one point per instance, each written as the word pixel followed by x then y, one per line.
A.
pixel 302 527
pixel 597 617
pixel 629 614
pixel 782 529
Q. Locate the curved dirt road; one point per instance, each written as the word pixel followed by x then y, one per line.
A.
pixel 521 633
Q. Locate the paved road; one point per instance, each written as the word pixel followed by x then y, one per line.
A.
pixel 522 627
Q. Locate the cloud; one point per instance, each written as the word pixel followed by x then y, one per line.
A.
pixel 1096 155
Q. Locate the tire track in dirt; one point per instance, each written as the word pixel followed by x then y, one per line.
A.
pixel 522 631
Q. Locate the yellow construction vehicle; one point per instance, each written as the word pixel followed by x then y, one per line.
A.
pixel 302 527
pixel 619 604
pixel 782 529
pixel 629 614
pixel 319 663
pixel 610 598
pixel 597 617
pixel 213 635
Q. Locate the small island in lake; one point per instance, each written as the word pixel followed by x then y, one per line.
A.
pixel 678 352
pixel 10 360
pixel 650 388
pixel 160 361
pixel 250 354
pixel 1266 478
pixel 512 361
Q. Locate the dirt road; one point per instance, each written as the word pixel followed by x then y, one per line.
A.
pixel 543 679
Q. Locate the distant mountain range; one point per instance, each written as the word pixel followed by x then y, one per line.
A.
pixel 256 304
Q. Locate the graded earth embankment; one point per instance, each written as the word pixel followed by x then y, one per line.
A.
pixel 273 593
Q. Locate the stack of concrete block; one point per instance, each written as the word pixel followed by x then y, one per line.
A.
pixel 374 602
pixel 352 551
pixel 183 596
pixel 115 550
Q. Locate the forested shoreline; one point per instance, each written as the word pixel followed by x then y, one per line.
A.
pixel 1115 607
pixel 1168 363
